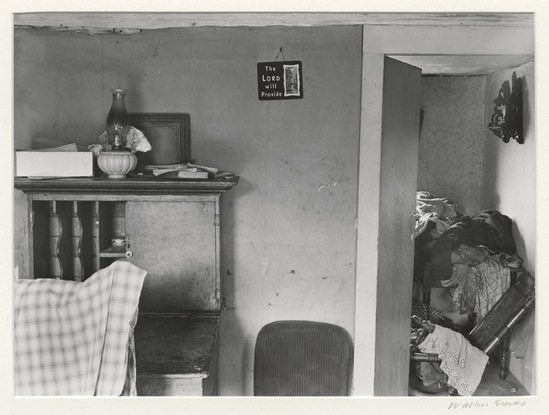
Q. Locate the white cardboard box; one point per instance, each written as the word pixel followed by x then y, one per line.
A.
pixel 53 164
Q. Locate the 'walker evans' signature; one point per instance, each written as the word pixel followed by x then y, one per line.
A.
pixel 480 404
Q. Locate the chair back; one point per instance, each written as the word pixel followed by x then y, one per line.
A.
pixel 302 358
pixel 504 316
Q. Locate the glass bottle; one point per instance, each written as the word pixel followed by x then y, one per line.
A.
pixel 117 123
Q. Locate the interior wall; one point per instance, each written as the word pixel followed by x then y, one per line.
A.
pixel 288 228
pixel 509 186
pixel 451 145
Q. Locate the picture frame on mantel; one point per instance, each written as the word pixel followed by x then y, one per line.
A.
pixel 169 135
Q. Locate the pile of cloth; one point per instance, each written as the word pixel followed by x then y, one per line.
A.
pixel 472 254
pixel 441 212
pixel 76 338
pixel 472 257
pixel 433 216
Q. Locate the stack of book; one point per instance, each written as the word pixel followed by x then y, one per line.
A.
pixel 182 171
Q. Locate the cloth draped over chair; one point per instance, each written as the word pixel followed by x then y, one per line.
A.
pixel 463 363
pixel 74 338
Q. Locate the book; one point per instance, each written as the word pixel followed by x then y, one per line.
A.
pixel 182 174
pixel 158 169
pixel 175 174
pixel 170 167
pixel 161 171
pixel 186 171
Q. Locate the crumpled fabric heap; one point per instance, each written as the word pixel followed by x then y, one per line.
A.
pixel 461 361
pixel 462 258
pixel 427 203
pixel 429 208
pixel 135 140
pixel 488 228
pixel 479 277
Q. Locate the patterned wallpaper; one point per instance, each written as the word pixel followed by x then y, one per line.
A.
pixel 462 160
pixel 451 144
pixel 509 168
pixel 510 186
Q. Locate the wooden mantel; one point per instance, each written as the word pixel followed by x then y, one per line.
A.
pixel 130 185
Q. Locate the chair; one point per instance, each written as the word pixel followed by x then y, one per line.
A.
pixel 496 326
pixel 302 358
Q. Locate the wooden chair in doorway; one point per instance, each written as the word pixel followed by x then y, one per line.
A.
pixel 496 326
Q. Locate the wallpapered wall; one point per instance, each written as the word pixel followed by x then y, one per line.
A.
pixel 509 186
pixel 451 146
pixel 462 160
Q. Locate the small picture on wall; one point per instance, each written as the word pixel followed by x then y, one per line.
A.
pixel 280 80
pixel 291 80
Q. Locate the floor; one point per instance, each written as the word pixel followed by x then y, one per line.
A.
pixel 490 385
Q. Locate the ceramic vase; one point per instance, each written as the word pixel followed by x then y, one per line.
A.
pixel 117 164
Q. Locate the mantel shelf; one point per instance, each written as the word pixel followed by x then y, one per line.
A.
pixel 130 185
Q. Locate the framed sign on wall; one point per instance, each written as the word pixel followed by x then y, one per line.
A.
pixel 279 80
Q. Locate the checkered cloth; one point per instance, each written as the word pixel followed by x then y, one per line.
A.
pixel 74 338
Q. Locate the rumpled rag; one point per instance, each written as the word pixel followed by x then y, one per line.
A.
pixel 135 140
pixel 461 361
pixel 74 338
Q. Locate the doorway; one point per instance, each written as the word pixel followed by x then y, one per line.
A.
pixel 369 276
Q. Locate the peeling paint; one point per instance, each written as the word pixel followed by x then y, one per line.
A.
pixel 265 266
pixel 320 161
pixel 327 185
